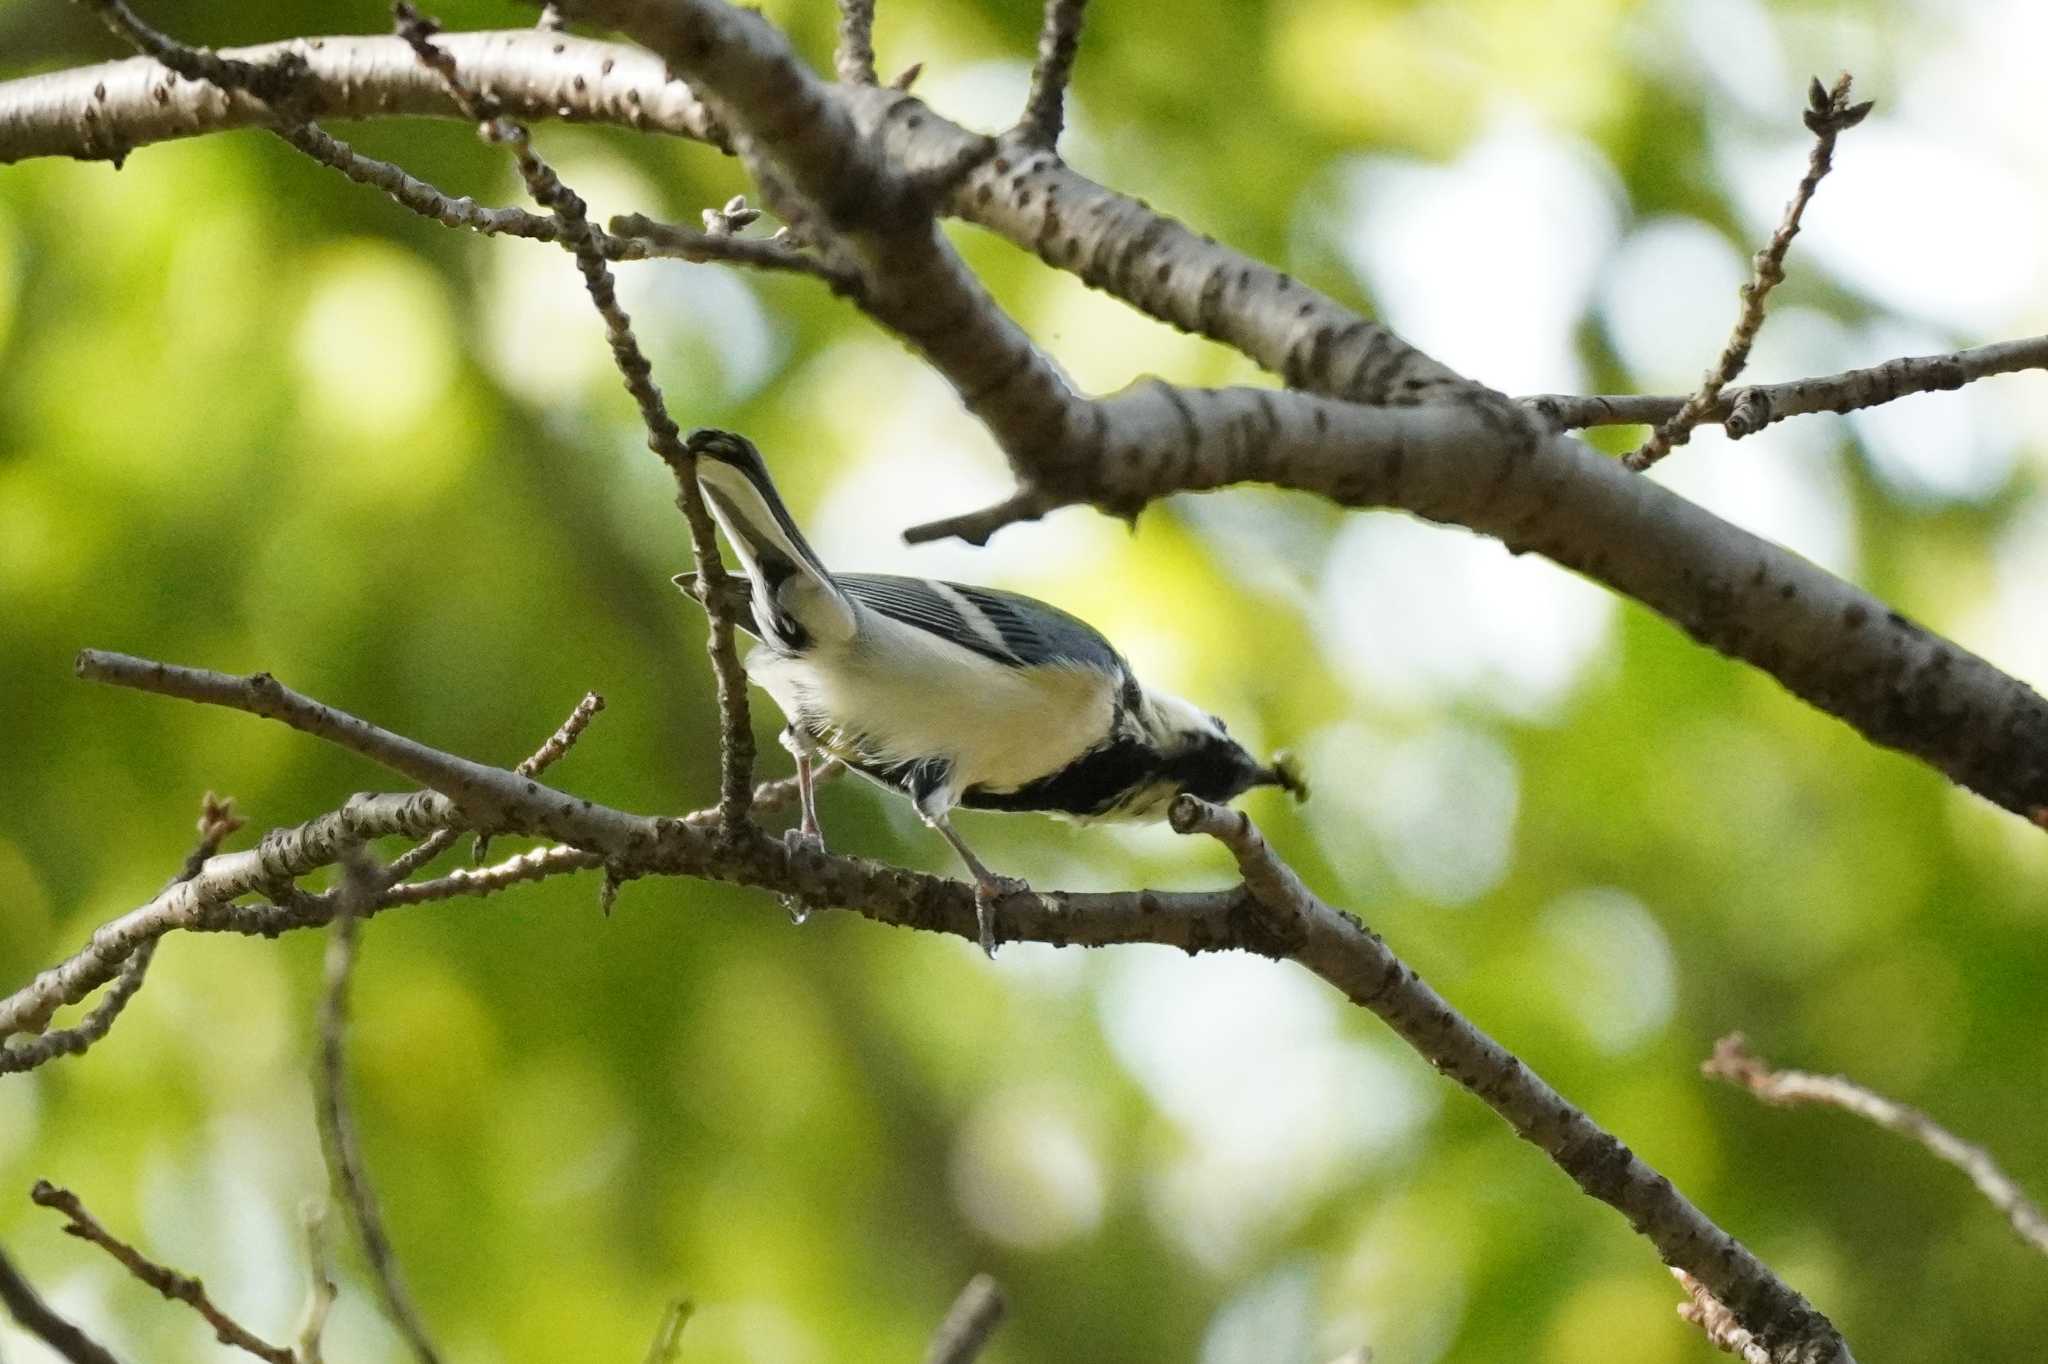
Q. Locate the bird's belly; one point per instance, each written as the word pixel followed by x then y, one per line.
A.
pixel 906 700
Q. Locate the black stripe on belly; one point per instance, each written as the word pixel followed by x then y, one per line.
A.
pixel 1088 786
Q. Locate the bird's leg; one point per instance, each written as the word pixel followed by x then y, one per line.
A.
pixel 989 887
pixel 807 834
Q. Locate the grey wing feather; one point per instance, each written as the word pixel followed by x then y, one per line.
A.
pixel 1031 633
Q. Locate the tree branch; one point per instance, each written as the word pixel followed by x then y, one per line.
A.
pixel 1339 949
pixel 854 58
pixel 1732 1061
pixel 1748 410
pixel 1271 914
pixel 104 112
pixel 968 1323
pixel 217 820
pixel 35 1316
pixel 1828 115
pixel 1059 38
pixel 173 1285
pixel 362 883
pixel 736 748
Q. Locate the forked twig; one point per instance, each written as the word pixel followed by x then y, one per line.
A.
pixel 1828 115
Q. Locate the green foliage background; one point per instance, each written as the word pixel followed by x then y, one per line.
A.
pixel 254 417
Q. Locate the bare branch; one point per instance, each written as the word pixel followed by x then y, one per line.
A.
pixel 1059 37
pixel 1732 1061
pixel 1747 410
pixel 217 820
pixel 173 1285
pixel 1340 950
pixel 477 791
pixel 559 743
pixel 663 438
pixel 1272 914
pixel 1828 115
pixel 274 80
pixel 968 1324
pixel 34 1315
pixel 1827 641
pixel 320 1289
pixel 108 110
pixel 1722 1330
pixel 634 236
pixel 854 58
pixel 667 1345
pixel 363 881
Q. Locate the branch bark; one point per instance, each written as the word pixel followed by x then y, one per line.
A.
pixel 1343 952
pixel 1271 913
pixel 1734 1062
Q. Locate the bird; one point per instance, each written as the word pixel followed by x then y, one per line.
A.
pixel 957 696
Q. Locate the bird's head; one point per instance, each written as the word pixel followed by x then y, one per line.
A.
pixel 1196 755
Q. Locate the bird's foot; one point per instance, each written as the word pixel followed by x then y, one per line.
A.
pixel 989 891
pixel 801 840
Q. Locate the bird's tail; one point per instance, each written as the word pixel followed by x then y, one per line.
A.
pixel 796 603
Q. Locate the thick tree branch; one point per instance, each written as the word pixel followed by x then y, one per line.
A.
pixel 1732 1061
pixel 169 1282
pixel 1825 640
pixel 104 112
pixel 35 1316
pixel 1340 950
pixel 1747 410
pixel 1828 115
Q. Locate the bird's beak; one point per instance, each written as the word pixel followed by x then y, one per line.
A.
pixel 1283 773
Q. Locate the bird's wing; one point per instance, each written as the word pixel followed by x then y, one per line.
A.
pixel 1015 630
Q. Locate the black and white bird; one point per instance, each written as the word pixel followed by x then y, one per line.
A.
pixel 954 695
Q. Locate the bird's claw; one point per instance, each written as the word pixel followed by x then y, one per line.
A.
pixel 989 891
pixel 803 841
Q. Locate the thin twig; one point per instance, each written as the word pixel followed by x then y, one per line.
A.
pixel 854 58
pixel 169 1282
pixel 1828 115
pixel 667 1345
pixel 362 883
pixel 276 82
pixel 560 742
pixel 635 236
pixel 1734 1062
pixel 968 1323
pixel 217 820
pixel 643 239
pixel 35 1316
pixel 1748 409
pixel 663 437
pixel 1059 37
pixel 320 1288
